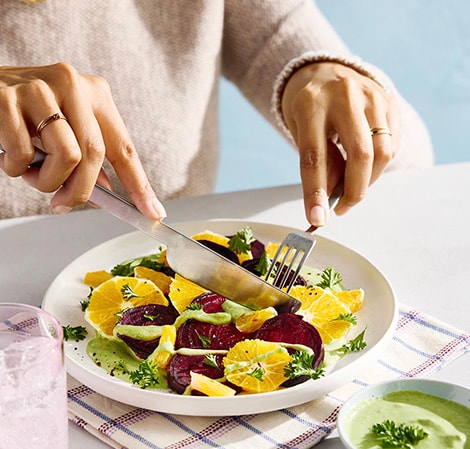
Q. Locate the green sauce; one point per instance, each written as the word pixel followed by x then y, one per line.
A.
pixel 446 422
pixel 113 356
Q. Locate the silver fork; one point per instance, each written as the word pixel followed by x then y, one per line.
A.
pixel 297 246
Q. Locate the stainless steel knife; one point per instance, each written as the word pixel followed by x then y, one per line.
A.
pixel 192 259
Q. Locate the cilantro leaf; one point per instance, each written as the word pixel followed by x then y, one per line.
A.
pixel 240 243
pixel 349 317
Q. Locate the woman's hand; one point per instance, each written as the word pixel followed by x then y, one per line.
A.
pixel 75 147
pixel 325 103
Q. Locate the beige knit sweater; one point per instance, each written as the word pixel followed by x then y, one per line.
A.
pixel 163 60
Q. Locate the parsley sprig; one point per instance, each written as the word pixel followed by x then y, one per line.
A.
pixel 240 243
pixel 76 333
pixel 356 344
pixel 400 436
pixel 127 268
pixel 301 365
pixel 331 279
pixel 146 376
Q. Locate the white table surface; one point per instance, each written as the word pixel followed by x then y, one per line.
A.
pixel 414 225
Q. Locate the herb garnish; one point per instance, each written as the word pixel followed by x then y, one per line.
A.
pixel 127 268
pixel 211 360
pixel 240 243
pixel 398 436
pixel 127 292
pixel 263 264
pixel 354 345
pixel 257 373
pixel 349 317
pixel 301 365
pixel 145 375
pixel 330 279
pixel 76 333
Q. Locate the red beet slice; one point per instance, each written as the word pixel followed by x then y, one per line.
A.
pixel 148 315
pixel 291 328
pixel 196 334
pixel 210 302
pixel 180 367
pixel 222 250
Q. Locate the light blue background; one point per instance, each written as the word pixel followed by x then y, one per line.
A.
pixel 424 46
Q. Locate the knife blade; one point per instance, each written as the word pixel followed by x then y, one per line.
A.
pixel 193 260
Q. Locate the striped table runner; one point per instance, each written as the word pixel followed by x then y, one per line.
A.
pixel 421 346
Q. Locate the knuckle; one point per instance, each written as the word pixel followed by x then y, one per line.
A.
pixel 310 159
pixel 95 150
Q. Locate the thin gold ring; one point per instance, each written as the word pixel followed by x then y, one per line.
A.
pixel 47 121
pixel 377 131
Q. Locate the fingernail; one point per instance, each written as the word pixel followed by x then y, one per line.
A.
pixel 317 216
pixel 158 208
pixel 61 210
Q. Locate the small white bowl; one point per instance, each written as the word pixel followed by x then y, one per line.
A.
pixel 452 392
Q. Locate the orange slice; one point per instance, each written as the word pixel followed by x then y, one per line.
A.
pixel 322 308
pixel 161 280
pixel 221 240
pixel 183 291
pixel 117 294
pixel 208 386
pixel 95 278
pixel 256 366
pixel 252 321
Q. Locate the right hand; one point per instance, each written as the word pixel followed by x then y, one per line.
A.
pixel 75 148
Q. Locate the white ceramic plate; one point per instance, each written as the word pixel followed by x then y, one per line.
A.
pixel 379 314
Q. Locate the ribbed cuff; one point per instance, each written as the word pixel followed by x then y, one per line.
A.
pixel 303 60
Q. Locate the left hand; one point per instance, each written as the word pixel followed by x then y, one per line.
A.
pixel 325 103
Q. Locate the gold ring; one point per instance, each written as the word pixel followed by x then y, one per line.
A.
pixel 377 131
pixel 47 121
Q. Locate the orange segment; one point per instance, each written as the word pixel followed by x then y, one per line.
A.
pixel 161 280
pixel 354 299
pixel 208 386
pixel 212 237
pixel 256 366
pixel 321 308
pixel 117 294
pixel 252 321
pixel 166 346
pixel 95 278
pixel 183 291
pixel 221 240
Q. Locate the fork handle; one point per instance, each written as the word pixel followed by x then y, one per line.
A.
pixel 332 202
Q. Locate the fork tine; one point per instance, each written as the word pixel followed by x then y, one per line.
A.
pixel 286 268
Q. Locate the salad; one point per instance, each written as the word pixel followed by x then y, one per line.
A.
pixel 157 329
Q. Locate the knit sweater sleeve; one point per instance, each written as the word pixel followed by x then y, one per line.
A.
pixel 265 42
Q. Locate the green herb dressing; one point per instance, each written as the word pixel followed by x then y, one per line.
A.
pixel 113 356
pixel 446 422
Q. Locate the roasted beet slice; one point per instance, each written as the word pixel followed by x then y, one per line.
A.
pixel 180 367
pixel 150 314
pixel 196 334
pixel 222 250
pixel 257 249
pixel 210 302
pixel 291 328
